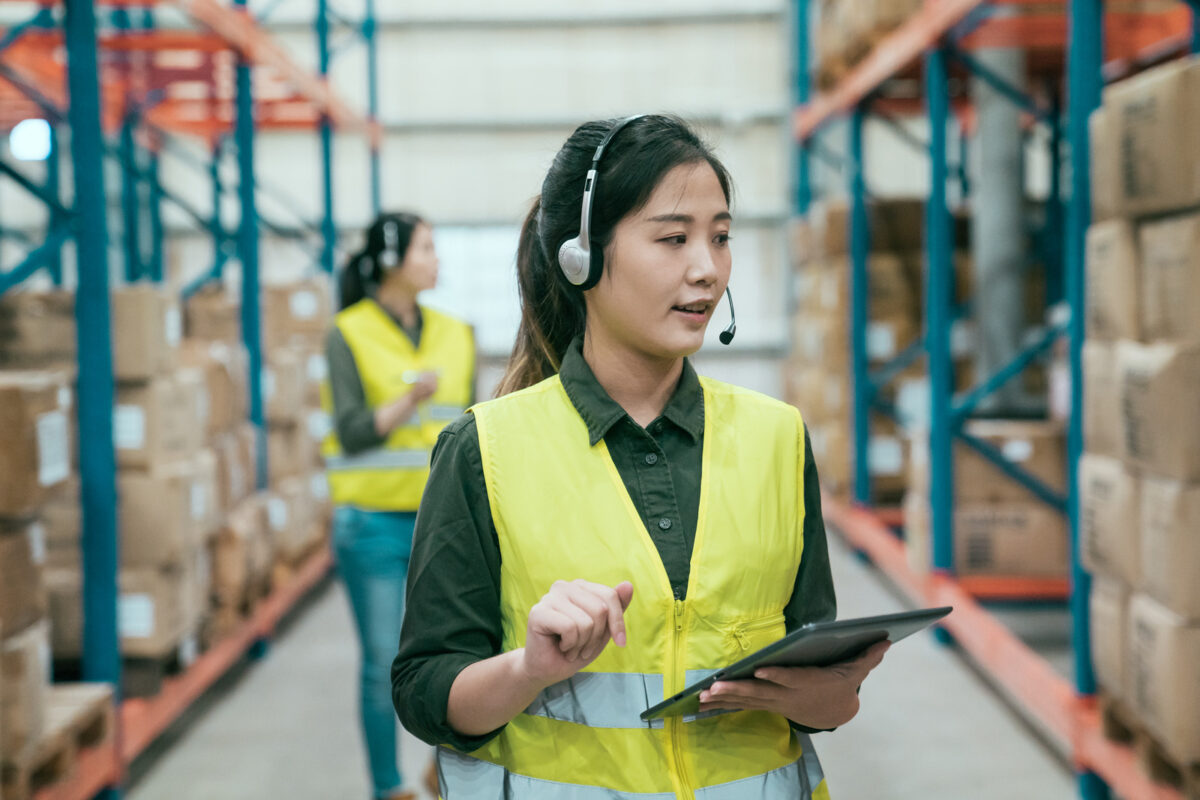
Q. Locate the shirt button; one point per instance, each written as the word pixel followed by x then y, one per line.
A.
pixel 651 459
pixel 664 524
pixel 656 427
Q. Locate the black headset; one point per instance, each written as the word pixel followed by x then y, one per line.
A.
pixel 582 265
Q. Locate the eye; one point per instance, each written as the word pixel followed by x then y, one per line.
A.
pixel 722 239
pixel 678 240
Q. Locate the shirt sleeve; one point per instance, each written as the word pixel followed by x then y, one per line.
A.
pixel 452 618
pixel 353 419
pixel 813 598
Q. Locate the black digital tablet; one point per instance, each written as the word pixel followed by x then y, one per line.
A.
pixel 818 644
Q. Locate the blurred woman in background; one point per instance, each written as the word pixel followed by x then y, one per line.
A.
pixel 398 373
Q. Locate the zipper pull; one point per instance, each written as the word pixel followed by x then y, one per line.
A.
pixel 678 615
pixel 742 639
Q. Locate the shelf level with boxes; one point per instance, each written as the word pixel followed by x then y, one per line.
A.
pixel 1063 42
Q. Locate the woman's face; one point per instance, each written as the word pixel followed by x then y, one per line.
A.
pixel 665 268
pixel 419 270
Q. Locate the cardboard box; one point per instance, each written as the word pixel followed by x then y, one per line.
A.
pixel 292 517
pixel 161 420
pixel 22 593
pixel 147 329
pixel 888 336
pixel 1110 634
pixel 821 341
pixel 1164 676
pixel 225 373
pixel 167 512
pixel 35 439
pixel 62 518
pixel 1109 518
pixel 1105 167
pixel 234 475
pixel 214 315
pixel 318 483
pixel 1170 544
pixel 1016 539
pixel 892 285
pixel 819 393
pixel 1037 447
pixel 895 225
pixel 1154 115
pixel 241 555
pixel 289 452
pixel 297 314
pixel 24 686
pixel 316 376
pixel 887 458
pixel 1170 286
pixel 1160 406
pixel 283 386
pixel 37 329
pixel 1113 279
pixel 1101 399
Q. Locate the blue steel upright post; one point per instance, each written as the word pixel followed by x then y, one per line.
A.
pixel 803 188
pixel 54 189
pixel 248 253
pixel 93 330
pixel 860 246
pixel 371 34
pixel 938 280
pixel 328 229
pixel 1084 84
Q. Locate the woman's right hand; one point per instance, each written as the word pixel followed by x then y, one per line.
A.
pixel 570 627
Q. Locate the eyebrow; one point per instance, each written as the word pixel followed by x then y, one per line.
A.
pixel 724 216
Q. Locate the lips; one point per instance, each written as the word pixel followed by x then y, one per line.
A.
pixel 699 307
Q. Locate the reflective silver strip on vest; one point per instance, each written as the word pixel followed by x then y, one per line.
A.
pixel 601 699
pixel 812 764
pixel 379 459
pixel 445 413
pixel 465 778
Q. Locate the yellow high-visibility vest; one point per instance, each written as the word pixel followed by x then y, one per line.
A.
pixel 392 477
pixel 562 512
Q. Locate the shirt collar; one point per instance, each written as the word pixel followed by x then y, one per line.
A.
pixel 600 412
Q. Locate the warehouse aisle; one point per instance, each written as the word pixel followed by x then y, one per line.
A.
pixel 929 727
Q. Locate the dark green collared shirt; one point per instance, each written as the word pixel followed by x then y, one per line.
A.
pixel 452 618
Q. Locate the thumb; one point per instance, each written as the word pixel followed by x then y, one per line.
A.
pixel 625 594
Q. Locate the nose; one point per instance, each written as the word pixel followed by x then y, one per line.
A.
pixel 702 265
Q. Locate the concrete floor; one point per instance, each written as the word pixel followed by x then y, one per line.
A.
pixel 929 727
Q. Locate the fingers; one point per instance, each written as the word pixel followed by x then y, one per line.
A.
pixel 759 695
pixel 615 600
pixel 788 677
pixel 545 618
pixel 869 660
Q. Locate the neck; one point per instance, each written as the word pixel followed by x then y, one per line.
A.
pixel 640 384
pixel 399 301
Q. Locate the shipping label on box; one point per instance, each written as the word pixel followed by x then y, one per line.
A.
pixel 35 454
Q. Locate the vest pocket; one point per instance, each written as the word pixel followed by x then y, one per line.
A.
pixel 752 634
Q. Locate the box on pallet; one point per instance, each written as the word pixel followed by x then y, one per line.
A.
pixel 316 373
pixel 1109 522
pixel 160 420
pixel 1160 404
pixel 1101 399
pixel 283 386
pixel 147 329
pixel 296 313
pixel 167 512
pixel 62 518
pixel 240 556
pixel 156 610
pixel 35 447
pixel 224 367
pixel 1164 676
pixel 289 452
pixel 1170 289
pixel 292 515
pixel 37 328
pixel 825 287
pixel 1170 546
pixel 1104 168
pixel 235 468
pixel 1113 279
pixel 22 557
pixel 1006 538
pixel 24 686
pixel 1151 119
pixel 214 315
pixel 1110 634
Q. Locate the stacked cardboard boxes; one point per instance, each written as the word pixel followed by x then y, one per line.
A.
pixel 818 375
pixel 850 28
pixel 36 406
pixel 1140 480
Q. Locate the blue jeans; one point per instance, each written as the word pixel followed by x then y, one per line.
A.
pixel 372 550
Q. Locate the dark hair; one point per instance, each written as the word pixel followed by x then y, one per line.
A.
pixel 552 310
pixel 365 270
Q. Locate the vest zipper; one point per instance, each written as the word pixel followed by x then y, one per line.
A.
pixel 677 722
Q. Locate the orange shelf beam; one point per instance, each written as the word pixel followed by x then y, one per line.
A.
pixel 145 719
pixel 1045 697
pixel 95 769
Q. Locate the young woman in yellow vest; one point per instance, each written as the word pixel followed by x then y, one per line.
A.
pixel 398 372
pixel 613 526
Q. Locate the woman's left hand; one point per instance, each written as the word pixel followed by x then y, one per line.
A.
pixel 816 697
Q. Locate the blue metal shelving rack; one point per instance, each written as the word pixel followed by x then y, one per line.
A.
pixel 143 194
pixel 1084 81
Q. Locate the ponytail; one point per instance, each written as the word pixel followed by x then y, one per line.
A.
pixel 351 285
pixel 552 314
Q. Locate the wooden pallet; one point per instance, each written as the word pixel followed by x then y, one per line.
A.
pixel 78 716
pixel 1120 724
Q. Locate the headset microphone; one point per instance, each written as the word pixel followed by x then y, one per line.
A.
pixel 727 334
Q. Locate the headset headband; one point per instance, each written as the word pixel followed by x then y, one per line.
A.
pixel 589 184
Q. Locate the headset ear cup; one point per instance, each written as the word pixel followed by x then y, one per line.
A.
pixel 595 268
pixel 574 262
